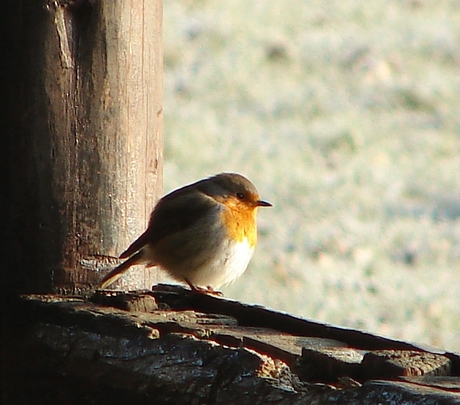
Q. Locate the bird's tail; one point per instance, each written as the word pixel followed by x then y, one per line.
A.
pixel 118 271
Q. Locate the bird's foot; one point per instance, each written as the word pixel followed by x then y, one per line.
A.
pixel 204 290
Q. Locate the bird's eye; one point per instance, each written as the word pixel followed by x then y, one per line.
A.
pixel 240 196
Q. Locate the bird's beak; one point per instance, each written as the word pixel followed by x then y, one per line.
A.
pixel 261 203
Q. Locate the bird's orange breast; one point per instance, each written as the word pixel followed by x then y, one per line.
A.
pixel 240 223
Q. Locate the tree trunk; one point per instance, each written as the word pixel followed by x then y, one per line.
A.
pixel 84 134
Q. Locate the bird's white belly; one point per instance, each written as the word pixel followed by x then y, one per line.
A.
pixel 227 264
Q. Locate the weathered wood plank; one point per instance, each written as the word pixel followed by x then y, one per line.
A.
pixel 390 363
pixel 105 354
pixel 177 297
pixel 291 332
pixel 329 363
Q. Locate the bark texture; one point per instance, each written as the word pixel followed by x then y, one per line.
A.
pixel 156 347
pixel 84 138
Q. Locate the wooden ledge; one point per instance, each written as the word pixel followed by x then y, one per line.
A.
pixel 171 345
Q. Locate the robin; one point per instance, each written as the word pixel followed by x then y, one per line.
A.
pixel 203 234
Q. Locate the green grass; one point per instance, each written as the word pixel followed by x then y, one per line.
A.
pixel 346 117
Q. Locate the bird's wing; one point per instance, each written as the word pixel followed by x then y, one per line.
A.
pixel 175 212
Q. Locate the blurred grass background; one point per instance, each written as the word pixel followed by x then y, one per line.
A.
pixel 346 117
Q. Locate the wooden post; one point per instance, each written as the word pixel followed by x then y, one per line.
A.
pixel 84 135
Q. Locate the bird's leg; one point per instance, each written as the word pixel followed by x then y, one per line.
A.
pixel 192 287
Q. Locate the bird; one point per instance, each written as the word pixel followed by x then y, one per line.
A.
pixel 203 234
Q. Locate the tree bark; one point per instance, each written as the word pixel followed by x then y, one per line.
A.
pixel 84 138
pixel 175 346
